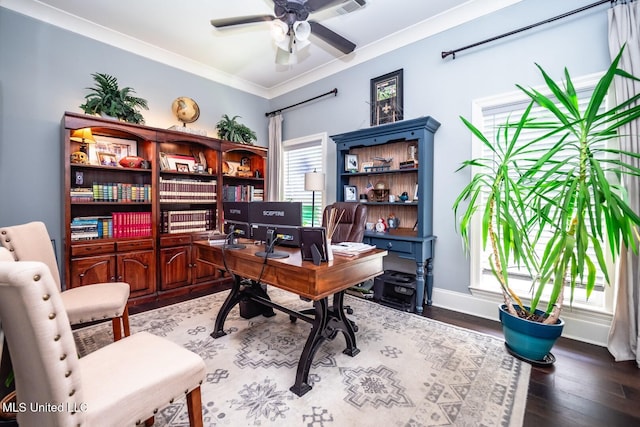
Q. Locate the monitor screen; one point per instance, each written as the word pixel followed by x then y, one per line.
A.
pixel 284 218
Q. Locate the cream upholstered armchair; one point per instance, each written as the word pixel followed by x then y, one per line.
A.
pixel 31 242
pixel 122 384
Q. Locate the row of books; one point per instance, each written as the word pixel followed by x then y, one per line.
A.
pixel 112 192
pixel 187 221
pixel 88 228
pixel 242 193
pixel 118 225
pixel 187 190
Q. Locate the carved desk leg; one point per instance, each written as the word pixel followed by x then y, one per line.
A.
pixel 233 298
pixel 315 338
pixel 343 324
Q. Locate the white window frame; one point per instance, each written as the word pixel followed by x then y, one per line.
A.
pixel 320 139
pixel 485 285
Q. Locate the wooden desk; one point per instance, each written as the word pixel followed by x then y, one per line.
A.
pixel 315 282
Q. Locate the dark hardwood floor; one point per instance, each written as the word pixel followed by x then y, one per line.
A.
pixel 585 387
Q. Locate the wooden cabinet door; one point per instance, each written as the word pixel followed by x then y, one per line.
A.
pixel 95 269
pixel 137 268
pixel 202 270
pixel 175 267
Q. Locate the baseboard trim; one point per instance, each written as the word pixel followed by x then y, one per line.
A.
pixel 589 328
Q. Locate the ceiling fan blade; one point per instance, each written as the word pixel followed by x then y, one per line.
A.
pixel 227 22
pixel 316 5
pixel 331 37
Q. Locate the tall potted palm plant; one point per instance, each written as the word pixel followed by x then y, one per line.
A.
pixel 565 193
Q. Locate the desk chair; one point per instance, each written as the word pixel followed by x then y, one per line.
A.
pixel 121 384
pixel 352 224
pixel 31 242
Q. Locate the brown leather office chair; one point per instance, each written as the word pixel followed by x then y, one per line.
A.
pixel 352 223
pixel 350 228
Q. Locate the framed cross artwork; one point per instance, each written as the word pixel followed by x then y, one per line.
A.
pixel 386 98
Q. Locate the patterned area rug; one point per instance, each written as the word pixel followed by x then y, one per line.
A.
pixel 411 371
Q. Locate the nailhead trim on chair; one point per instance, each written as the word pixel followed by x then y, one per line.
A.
pixel 56 338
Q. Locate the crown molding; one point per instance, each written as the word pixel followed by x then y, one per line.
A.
pixel 464 13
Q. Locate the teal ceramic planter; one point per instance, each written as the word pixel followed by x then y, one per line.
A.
pixel 529 340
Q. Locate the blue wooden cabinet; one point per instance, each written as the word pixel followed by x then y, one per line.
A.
pixel 394 159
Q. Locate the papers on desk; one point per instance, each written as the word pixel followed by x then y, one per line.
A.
pixel 351 248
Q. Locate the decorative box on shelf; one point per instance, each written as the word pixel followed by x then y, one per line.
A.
pixel 379 168
pixel 409 164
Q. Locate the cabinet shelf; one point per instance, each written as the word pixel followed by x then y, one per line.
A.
pixel 188 174
pixel 77 166
pixel 384 172
pixel 120 204
pixel 228 178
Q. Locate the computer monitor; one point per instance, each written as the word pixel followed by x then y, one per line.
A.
pixel 275 223
pixel 236 211
pixel 284 218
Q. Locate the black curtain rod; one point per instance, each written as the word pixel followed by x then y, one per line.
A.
pixel 270 113
pixel 564 15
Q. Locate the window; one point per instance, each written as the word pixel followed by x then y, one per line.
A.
pixel 300 156
pixel 488 114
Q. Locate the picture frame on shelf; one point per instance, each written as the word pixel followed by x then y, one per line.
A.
pixel 174 159
pixel 387 98
pixel 107 159
pixel 351 163
pixel 182 167
pixel 415 193
pixel 119 147
pixel 350 193
pixel 164 162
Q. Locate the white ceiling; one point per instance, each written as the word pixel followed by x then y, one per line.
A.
pixel 179 33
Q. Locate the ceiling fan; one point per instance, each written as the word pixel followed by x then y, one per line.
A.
pixel 291 29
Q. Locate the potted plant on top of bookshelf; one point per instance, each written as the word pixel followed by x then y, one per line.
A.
pixel 231 130
pixel 106 98
pixel 556 189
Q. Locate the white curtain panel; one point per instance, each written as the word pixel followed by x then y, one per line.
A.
pixel 274 159
pixel 624 29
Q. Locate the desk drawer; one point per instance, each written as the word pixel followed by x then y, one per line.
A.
pixel 393 245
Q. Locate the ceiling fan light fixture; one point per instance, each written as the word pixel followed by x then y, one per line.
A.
pixel 302 30
pixel 283 57
pixel 284 44
pixel 279 31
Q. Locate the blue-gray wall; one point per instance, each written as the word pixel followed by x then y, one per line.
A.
pixel 44 70
pixel 444 89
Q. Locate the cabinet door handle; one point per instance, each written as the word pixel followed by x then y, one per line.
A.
pixel 113 278
pixel 119 278
pixel 389 245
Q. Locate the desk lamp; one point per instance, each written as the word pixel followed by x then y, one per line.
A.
pixel 313 181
